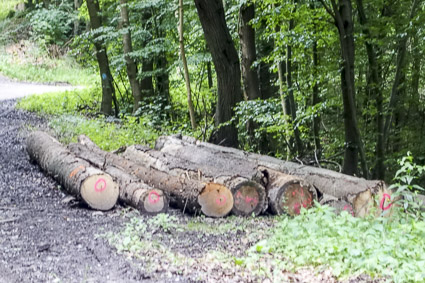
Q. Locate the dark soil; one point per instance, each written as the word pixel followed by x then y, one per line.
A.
pixel 46 236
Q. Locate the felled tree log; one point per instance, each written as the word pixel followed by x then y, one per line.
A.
pixel 134 193
pixel 362 194
pixel 288 194
pixel 248 194
pixel 77 176
pixel 190 195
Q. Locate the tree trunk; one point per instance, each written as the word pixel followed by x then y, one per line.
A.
pixel 342 14
pixel 401 60
pixel 77 5
pixel 162 78
pixel 190 195
pixel 77 177
pixel 244 183
pixel 290 93
pixel 316 101
pixel 359 192
pixel 102 58
pixel 129 62
pixel 374 86
pixel 146 199
pixel 185 68
pixel 226 62
pixel 146 84
pixel 251 85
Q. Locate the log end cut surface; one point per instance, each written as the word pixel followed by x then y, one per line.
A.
pixel 100 192
pixel 292 197
pixel 215 200
pixel 250 198
pixel 153 202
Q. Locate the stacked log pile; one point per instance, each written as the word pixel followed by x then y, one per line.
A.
pixel 199 177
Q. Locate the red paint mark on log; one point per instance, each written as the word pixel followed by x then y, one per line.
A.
pixel 348 208
pixel 220 200
pixel 253 200
pixel 76 170
pixel 100 185
pixel 155 199
pixel 384 197
pixel 297 207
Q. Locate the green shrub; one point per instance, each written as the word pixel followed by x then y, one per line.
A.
pixel 51 25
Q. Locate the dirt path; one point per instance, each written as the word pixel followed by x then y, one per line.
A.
pixel 10 89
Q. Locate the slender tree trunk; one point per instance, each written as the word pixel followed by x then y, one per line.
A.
pixel 226 62
pixel 342 14
pixel 162 79
pixel 77 5
pixel 146 85
pixel 416 74
pixel 251 85
pixel 316 100
pixel 374 86
pixel 401 60
pixel 102 58
pixel 186 69
pixel 290 92
pixel 129 62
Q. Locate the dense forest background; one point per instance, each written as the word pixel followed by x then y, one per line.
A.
pixel 329 83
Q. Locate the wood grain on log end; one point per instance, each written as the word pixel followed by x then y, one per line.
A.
pixel 215 200
pixel 100 192
pixel 250 199
pixel 153 202
pixel 288 194
pixel 377 200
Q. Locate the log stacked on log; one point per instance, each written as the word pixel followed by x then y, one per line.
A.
pixel 362 195
pixel 190 195
pixel 77 176
pixel 245 184
pixel 146 199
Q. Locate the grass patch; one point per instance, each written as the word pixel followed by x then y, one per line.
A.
pixel 107 134
pixel 349 246
pixel 26 61
pixel 6 6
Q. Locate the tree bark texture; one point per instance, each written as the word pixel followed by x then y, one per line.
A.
pixel 108 89
pixel 342 14
pixel 190 195
pixel 245 184
pixel 129 62
pixel 251 84
pixel 146 199
pixel 226 62
pixel 399 75
pixel 282 191
pixel 374 86
pixel 359 192
pixel 77 177
pixel 185 68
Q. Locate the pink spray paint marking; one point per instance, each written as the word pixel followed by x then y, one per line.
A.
pixel 385 196
pixel 100 185
pixel 253 200
pixel 220 200
pixel 348 208
pixel 297 207
pixel 153 200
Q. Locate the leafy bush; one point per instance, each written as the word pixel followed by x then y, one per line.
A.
pixel 348 245
pixel 108 135
pixel 52 25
